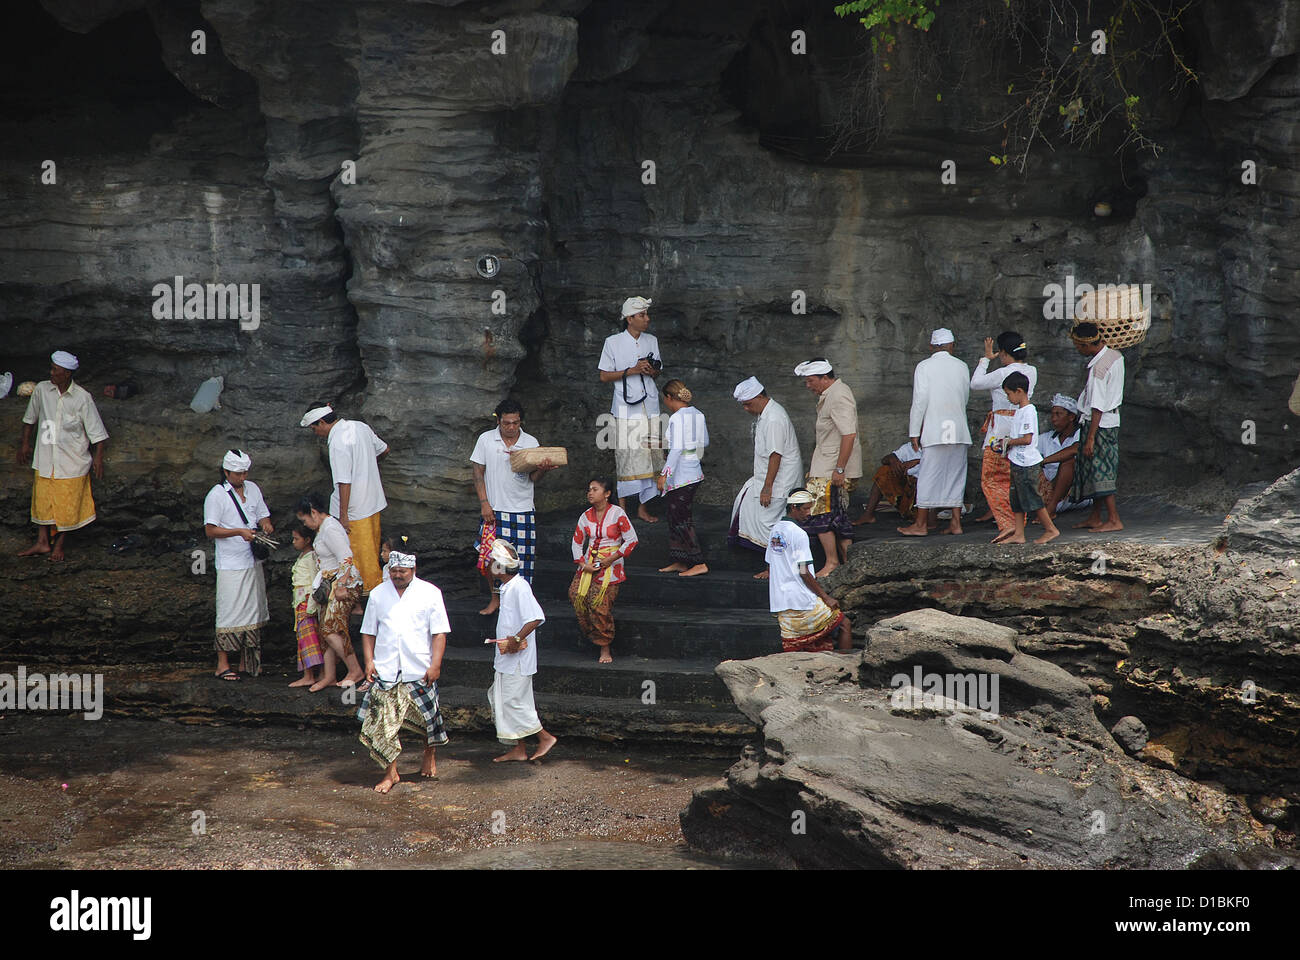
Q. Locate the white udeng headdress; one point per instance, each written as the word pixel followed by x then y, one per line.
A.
pixel 311 416
pixel 747 389
pixel 236 462
pixel 813 368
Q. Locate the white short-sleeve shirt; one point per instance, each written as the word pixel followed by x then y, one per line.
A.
pixel 788 552
pixel 1049 444
pixel 234 553
pixel 66 425
pixel 620 352
pixel 1025 423
pixel 403 627
pixel 518 606
pixel 906 454
pixel 507 491
pixel 354 448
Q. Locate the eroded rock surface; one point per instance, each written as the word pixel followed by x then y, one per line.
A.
pixel 846 775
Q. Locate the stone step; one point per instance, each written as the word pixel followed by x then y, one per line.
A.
pixel 188 693
pixel 645 631
pixel 646 585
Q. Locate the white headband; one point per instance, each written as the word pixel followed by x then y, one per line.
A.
pixel 800 496
pixel 1065 403
pixel 941 336
pixel 504 555
pixel 311 416
pixel 62 358
pixel 747 389
pixel 634 305
pixel 237 463
pixel 396 559
pixel 813 368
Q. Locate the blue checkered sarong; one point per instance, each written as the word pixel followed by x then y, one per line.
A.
pixel 520 530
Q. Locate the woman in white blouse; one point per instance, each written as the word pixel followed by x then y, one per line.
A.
pixel 334 557
pixel 995 473
pixel 686 438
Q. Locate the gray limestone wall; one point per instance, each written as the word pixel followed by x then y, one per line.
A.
pixel 230 167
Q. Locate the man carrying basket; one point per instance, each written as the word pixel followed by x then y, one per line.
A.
pixel 505 496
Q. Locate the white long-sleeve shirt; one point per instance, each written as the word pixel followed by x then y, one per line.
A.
pixel 1104 388
pixel 687 436
pixel 940 392
pixel 991 380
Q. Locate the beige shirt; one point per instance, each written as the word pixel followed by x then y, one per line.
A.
pixel 66 425
pixel 837 415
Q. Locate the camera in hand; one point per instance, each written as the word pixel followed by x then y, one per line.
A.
pixel 654 361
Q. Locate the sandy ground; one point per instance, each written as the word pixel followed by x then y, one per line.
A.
pixel 282 798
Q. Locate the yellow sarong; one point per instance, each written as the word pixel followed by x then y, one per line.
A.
pixel 364 537
pixel 63 504
pixel 584 582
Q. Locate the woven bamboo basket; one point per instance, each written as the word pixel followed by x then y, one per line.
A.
pixel 1119 313
pixel 526 461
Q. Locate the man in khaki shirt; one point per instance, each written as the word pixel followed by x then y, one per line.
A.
pixel 836 461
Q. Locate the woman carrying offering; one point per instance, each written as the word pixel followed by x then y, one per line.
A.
pixel 995 470
pixel 604 536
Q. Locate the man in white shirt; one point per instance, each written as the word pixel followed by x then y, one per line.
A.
pixel 67 428
pixel 1059 447
pixel 358 497
pixel 404 633
pixel 1097 465
pixel 778 469
pixel 806 613
pixel 505 498
pixel 940 391
pixel 232 513
pixel 511 694
pixel 631 361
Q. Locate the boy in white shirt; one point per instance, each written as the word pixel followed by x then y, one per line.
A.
pixel 807 614
pixel 1026 464
pixel 511 695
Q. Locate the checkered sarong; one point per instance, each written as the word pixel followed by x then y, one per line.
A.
pixel 392 707
pixel 520 531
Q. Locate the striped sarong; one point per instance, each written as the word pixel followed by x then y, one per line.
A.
pixel 808 630
pixel 520 531
pixel 310 653
pixel 394 706
pixel 1095 476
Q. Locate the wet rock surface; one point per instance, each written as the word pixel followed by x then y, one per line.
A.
pixel 843 777
pixel 303 799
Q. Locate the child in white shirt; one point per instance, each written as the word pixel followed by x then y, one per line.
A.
pixel 1021 449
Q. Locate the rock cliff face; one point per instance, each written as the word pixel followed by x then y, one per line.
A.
pixel 355 161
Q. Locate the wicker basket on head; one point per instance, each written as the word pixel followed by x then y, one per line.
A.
pixel 1119 313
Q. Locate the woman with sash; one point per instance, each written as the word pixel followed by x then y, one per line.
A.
pixel 334 558
pixel 604 536
pixel 995 469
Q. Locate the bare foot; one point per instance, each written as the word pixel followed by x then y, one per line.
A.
pixel 429 769
pixel 491 608
pixel 984 519
pixel 1002 536
pixel 604 656
pixel 865 518
pixel 35 550
pixel 351 680
pixel 913 531
pixel 761 576
pixel 302 682
pixel 56 555
pixel 514 753
pixel 386 784
pixel 951 532
pixel 1049 535
pixel 825 570
pixel 643 514
pixel 673 567
pixel 544 743
pixel 1014 539
pixel 695 571
pixel 320 685
pixel 1107 527
pixel 1094 520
